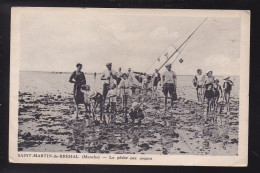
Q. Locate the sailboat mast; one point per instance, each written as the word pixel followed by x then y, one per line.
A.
pixel 181 45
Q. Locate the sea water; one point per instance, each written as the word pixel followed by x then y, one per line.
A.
pixel 38 83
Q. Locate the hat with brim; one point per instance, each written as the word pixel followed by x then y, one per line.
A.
pixel 168 65
pixel 124 74
pixel 210 71
pixel 92 94
pixel 135 105
pixel 108 64
pixel 226 77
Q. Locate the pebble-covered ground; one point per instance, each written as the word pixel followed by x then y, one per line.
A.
pixel 47 124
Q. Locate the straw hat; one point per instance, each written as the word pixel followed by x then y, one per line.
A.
pixel 226 77
pixel 124 74
pixel 168 65
pixel 216 80
pixel 135 105
pixel 85 87
pixel 109 63
pixel 92 94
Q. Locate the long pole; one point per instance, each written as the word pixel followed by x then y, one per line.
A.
pixel 177 50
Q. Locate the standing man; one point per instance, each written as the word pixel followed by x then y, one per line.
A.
pixel 169 85
pixel 119 76
pixel 156 78
pixel 109 77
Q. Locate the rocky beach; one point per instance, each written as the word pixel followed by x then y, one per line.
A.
pixel 47 122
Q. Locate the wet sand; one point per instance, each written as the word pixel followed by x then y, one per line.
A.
pixel 47 124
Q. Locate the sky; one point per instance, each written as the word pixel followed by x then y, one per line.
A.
pixel 58 41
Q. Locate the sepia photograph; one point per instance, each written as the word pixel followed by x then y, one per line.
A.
pixel 129 86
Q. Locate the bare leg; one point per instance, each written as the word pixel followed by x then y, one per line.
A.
pixel 94 110
pixel 208 105
pixel 165 102
pixel 125 108
pixel 87 110
pixel 216 102
pixel 202 94
pixel 126 103
pixel 198 94
pixel 77 111
pixel 101 110
pixel 228 99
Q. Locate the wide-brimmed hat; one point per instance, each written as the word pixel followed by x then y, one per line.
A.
pixel 124 74
pixel 226 77
pixel 108 64
pixel 84 87
pixel 135 105
pixel 92 94
pixel 216 80
pixel 168 65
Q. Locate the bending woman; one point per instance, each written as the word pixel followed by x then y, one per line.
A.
pixel 78 78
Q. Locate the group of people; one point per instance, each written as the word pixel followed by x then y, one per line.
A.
pixel 120 85
pixel 209 90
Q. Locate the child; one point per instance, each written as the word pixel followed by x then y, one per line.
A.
pixel 209 96
pixel 112 96
pixel 85 89
pixel 227 87
pixel 97 99
pixel 125 91
pixel 135 112
pixel 217 93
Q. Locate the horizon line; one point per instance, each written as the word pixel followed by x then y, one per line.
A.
pixel 101 72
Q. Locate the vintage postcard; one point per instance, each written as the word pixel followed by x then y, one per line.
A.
pixel 129 86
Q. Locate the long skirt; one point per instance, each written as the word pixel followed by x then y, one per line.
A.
pixel 78 95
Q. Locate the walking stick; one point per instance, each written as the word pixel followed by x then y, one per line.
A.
pixel 124 103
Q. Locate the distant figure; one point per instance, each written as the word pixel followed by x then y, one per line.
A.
pixel 199 82
pixel 217 93
pixel 78 78
pixel 227 87
pixel 108 76
pixel 209 80
pixel 169 85
pixel 136 113
pixel 125 91
pixel 95 75
pixel 156 78
pixel 209 96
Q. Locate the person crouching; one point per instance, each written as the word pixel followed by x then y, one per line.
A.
pixel 97 100
pixel 85 89
pixel 136 113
